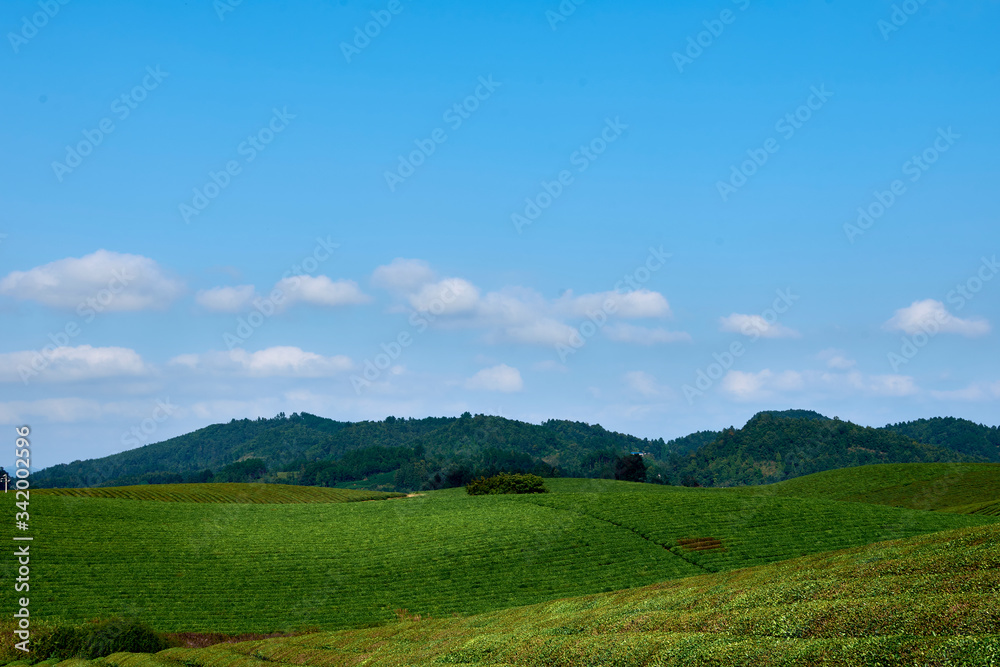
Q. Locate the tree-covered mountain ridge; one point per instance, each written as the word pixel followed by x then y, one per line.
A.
pixel 434 452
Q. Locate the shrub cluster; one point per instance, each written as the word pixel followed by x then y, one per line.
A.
pixel 506 483
pixel 92 640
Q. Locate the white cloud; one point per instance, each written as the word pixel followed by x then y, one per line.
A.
pixel 765 384
pixel 637 304
pixel 403 275
pixel 451 296
pixel 549 366
pixel 113 281
pixel 930 316
pixel 281 361
pixel 541 332
pixel 837 359
pixel 645 384
pixel 517 314
pixel 750 325
pixel 746 386
pixel 977 391
pixel 320 291
pixel 629 333
pixel 501 378
pixel 226 299
pixel 62 410
pixel 884 385
pixel 70 364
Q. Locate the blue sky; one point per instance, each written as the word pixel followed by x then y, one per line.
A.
pixel 215 155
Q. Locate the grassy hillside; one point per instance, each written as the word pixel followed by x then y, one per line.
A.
pixel 223 493
pixel 929 600
pixel 268 567
pixel 923 486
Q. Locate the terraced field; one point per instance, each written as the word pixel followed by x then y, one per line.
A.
pixel 224 493
pixel 237 568
pixel 929 600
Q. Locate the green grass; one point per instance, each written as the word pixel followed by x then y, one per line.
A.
pixel 929 600
pixel 923 486
pixel 223 493
pixel 237 568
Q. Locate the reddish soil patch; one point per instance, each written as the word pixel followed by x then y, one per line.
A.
pixel 701 544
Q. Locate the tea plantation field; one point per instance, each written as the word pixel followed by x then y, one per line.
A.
pixel 929 600
pixel 924 486
pixel 235 568
pixel 224 493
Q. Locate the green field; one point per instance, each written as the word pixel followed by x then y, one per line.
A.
pixel 929 600
pixel 223 493
pixel 234 568
pixel 923 486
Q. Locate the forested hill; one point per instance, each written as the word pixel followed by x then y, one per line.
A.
pixel 291 444
pixel 774 446
pixel 405 454
pixel 961 435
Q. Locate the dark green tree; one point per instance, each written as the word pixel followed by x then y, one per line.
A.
pixel 631 468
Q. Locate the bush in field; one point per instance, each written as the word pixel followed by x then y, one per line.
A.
pixel 506 483
pixel 96 640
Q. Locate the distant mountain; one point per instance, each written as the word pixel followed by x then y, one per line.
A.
pixel 961 435
pixel 433 452
pixel 772 447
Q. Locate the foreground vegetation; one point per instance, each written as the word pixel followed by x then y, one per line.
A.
pixel 235 568
pixel 928 600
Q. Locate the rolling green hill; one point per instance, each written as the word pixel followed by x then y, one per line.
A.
pixel 923 486
pixel 928 600
pixel 272 567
